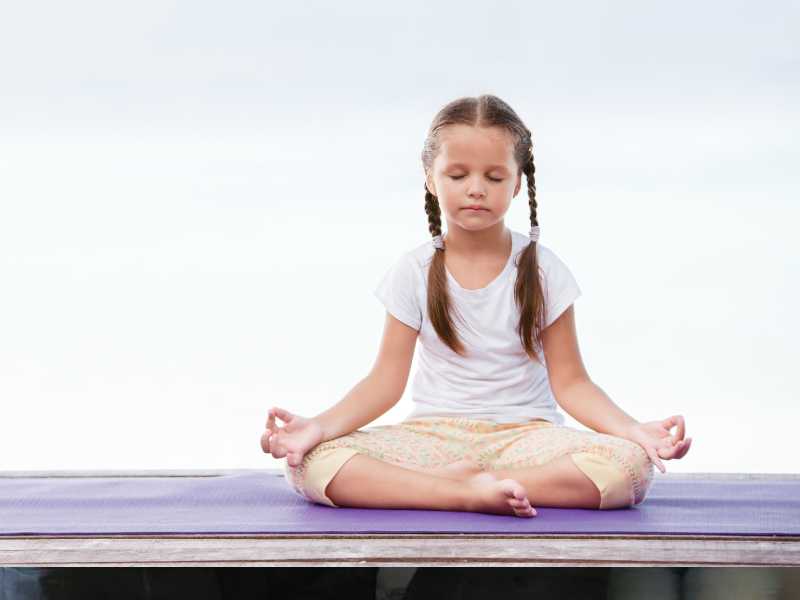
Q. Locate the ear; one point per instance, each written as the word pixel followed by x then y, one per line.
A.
pixel 519 184
pixel 429 183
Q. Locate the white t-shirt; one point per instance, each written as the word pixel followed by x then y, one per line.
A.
pixel 497 381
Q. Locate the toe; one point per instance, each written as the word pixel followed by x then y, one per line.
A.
pixel 525 512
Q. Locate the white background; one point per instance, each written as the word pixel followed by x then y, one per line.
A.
pixel 197 200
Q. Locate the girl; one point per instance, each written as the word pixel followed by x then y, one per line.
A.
pixel 485 434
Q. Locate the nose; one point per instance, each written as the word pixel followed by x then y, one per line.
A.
pixel 476 190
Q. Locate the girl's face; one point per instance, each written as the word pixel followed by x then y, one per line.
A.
pixel 475 167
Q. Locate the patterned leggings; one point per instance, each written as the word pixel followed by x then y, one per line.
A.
pixel 619 468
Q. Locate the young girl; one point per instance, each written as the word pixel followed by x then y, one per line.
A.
pixel 485 434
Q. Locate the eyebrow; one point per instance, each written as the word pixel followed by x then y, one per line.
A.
pixel 491 167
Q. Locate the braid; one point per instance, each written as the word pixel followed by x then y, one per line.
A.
pixel 529 169
pixel 434 213
pixel 528 290
pixel 485 111
pixel 438 303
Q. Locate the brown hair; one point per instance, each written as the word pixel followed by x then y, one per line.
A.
pixel 485 111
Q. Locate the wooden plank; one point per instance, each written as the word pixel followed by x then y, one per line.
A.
pixel 400 550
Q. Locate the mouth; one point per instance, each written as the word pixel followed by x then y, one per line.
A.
pixel 475 208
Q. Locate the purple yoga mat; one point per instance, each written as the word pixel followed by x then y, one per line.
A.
pixel 260 501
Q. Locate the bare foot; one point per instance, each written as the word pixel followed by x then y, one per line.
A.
pixel 487 493
pixel 460 470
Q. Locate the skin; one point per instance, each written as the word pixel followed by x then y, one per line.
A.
pixel 476 166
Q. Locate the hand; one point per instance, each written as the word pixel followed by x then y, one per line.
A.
pixel 656 440
pixel 294 440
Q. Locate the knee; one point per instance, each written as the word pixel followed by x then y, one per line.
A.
pixel 608 476
pixel 643 471
pixel 311 477
pixel 640 469
pixel 296 474
pixel 621 474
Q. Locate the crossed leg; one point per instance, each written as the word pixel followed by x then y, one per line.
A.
pixel 367 482
pixel 572 468
pixel 558 467
pixel 558 483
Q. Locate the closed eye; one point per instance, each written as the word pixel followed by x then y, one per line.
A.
pixel 462 176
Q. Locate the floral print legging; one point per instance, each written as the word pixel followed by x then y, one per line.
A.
pixel 619 468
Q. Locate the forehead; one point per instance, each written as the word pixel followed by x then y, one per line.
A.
pixel 479 146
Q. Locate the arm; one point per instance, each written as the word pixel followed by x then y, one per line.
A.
pixel 575 392
pixel 380 390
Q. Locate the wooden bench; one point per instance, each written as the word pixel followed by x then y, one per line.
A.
pixel 393 550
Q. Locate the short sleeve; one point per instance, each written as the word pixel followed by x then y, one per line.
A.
pixel 561 288
pixel 398 292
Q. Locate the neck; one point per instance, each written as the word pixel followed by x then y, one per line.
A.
pixel 493 240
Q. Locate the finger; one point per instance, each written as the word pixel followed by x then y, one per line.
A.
pixel 294 458
pixel 283 415
pixel 681 428
pixel 277 449
pixel 666 442
pixel 676 420
pixel 673 421
pixel 272 441
pixel 684 447
pixel 668 424
pixel 271 421
pixel 269 442
pixel 657 428
pixel 265 441
pixel 680 449
pixel 656 461
pixel 667 452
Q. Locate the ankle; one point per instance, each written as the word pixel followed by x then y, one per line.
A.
pixel 453 494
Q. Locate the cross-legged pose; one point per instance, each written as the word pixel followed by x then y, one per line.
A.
pixel 493 310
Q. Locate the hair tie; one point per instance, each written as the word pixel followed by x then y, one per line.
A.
pixel 534 234
pixel 437 242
